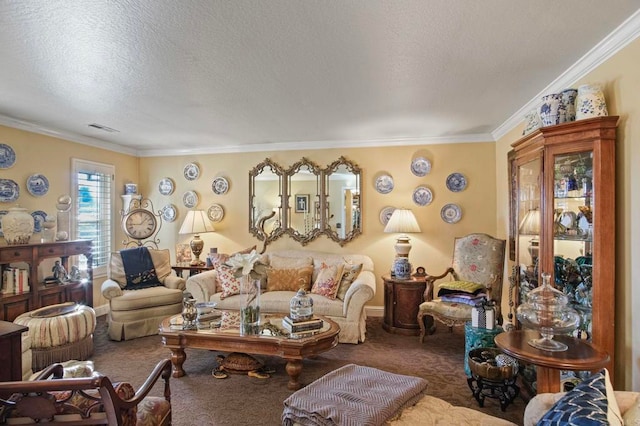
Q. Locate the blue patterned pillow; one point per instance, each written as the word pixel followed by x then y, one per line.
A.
pixel 591 402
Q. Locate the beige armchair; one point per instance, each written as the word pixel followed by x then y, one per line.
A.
pixel 137 313
pixel 478 258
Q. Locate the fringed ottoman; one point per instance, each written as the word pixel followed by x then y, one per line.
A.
pixel 59 333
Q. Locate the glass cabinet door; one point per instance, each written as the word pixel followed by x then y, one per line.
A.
pixel 528 213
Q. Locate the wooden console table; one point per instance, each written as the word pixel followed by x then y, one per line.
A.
pixel 580 356
pixel 11 351
pixel 193 269
pixel 402 298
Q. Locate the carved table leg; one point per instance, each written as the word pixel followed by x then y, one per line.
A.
pixel 178 356
pixel 294 368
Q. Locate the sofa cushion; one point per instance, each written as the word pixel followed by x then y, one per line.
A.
pixel 229 284
pixel 349 274
pixel 328 280
pixel 282 262
pixel 591 402
pixel 146 298
pixel 289 279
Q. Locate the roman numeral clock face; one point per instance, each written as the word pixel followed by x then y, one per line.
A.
pixel 140 224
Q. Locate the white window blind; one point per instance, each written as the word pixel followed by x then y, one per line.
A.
pixel 93 201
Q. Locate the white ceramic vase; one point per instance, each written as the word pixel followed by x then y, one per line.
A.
pixel 17 226
pixel 531 121
pixel 549 109
pixel 590 102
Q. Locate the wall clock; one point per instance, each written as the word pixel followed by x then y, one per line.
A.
pixel 141 224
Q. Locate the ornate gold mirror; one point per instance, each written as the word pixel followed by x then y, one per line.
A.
pixel 343 204
pixel 265 201
pixel 303 201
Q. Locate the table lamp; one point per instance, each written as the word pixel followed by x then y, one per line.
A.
pixel 196 223
pixel 402 221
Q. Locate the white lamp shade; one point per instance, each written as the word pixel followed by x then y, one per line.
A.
pixel 530 224
pixel 402 221
pixel 196 222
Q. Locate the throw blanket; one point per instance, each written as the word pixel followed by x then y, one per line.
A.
pixel 139 269
pixel 352 395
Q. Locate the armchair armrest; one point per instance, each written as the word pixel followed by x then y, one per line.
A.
pixel 110 289
pixel 431 279
pixel 360 292
pixel 203 285
pixel 174 282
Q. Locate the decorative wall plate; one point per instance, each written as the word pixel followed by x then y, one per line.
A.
pixel 169 213
pixel 9 190
pixel 2 213
pixel 37 185
pixel 384 184
pixel 7 156
pixel 220 186
pixel 451 213
pixel 385 214
pixel 166 186
pixel 215 213
pixel 190 199
pixel 420 166
pixel 191 171
pixel 39 217
pixel 422 196
pixel 456 182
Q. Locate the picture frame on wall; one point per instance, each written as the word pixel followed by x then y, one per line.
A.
pixel 302 203
pixel 183 253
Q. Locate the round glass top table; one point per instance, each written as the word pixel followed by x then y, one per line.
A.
pixel 580 356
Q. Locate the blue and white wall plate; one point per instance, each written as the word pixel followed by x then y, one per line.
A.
pixel 166 186
pixel 420 166
pixel 456 182
pixel 190 199
pixel 7 156
pixel 451 213
pixel 191 171
pixel 384 184
pixel 39 217
pixel 9 190
pixel 37 185
pixel 169 213
pixel 220 186
pixel 422 196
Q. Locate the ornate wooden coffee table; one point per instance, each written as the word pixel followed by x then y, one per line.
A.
pixel 224 335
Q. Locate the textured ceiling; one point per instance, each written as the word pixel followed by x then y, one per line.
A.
pixel 211 76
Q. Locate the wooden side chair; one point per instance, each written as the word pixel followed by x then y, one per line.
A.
pixel 477 258
pixel 95 400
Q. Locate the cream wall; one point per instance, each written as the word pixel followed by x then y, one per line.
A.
pixel 51 157
pixel 432 248
pixel 620 76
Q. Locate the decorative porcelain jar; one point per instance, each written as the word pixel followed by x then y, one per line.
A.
pixel 17 226
pixel 301 306
pixel 549 114
pixel 402 268
pixel 531 121
pixel 567 108
pixel 590 102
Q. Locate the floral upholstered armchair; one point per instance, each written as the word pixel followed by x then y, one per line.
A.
pixel 478 263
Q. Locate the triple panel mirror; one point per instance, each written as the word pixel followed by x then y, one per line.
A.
pixel 305 201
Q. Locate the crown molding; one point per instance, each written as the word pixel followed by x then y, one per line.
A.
pixel 626 32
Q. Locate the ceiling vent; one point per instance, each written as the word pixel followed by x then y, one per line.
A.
pixel 105 128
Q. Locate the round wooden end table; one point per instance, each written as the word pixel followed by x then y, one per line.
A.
pixel 580 356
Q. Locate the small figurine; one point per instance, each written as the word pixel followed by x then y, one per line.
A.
pixel 59 273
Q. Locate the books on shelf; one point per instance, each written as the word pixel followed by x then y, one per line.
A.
pixel 15 281
pixel 313 324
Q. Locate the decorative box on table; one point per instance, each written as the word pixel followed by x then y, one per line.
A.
pixel 483 315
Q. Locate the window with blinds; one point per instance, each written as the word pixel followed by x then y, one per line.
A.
pixel 93 207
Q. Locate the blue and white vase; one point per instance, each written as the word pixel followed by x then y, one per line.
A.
pixel 402 268
pixel 549 109
pixel 590 102
pixel 567 108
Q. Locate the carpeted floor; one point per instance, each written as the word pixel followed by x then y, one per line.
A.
pixel 200 399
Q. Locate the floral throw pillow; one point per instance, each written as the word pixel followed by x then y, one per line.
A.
pixel 328 280
pixel 289 279
pixel 349 274
pixel 229 284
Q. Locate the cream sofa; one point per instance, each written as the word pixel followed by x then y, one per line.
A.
pixel 349 314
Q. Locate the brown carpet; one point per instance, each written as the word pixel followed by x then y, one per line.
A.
pixel 200 399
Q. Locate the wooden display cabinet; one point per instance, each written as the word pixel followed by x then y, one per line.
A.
pixel 562 221
pixel 39 294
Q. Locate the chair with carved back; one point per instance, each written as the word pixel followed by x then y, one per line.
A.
pixel 477 258
pixel 95 400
